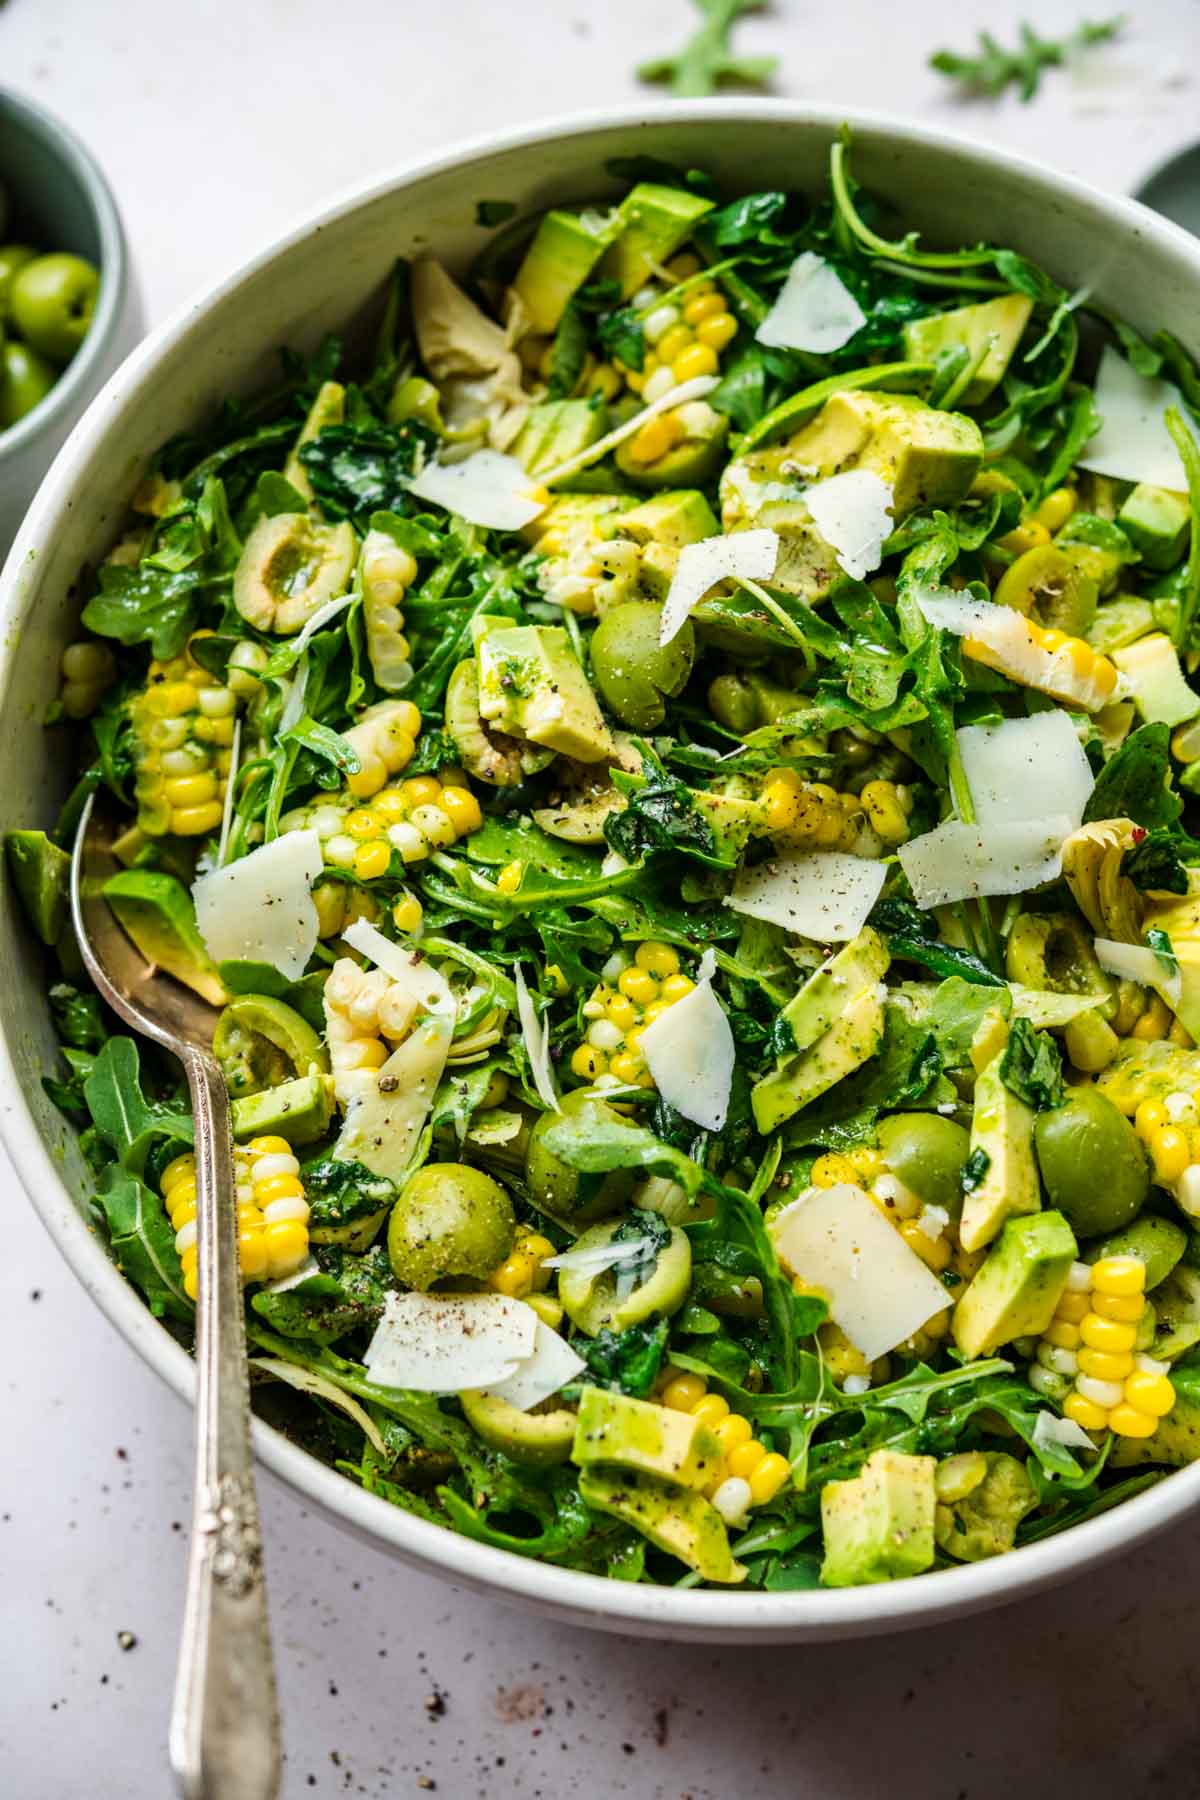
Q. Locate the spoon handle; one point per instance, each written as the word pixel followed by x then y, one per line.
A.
pixel 224 1738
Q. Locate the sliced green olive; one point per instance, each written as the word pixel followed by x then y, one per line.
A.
pixel 927 1152
pixel 1051 588
pixel 566 1192
pixel 635 674
pixel 592 1302
pixel 261 1042
pixel 1053 953
pixel 538 1439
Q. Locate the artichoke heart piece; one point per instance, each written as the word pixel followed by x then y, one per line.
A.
pixel 291 566
pixel 1091 864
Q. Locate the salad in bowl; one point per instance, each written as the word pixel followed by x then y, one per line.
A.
pixel 672 768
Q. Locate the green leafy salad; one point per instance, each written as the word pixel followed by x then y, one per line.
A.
pixel 674 771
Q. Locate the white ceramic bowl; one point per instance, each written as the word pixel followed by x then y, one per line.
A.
pixel 320 277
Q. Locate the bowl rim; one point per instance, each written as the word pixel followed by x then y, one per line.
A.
pixel 114 271
pixel 698 1614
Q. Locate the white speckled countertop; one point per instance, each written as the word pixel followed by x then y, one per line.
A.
pixel 218 124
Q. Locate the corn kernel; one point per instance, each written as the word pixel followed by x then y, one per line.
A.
pixel 638 985
pixel 657 959
pixel 372 860
pixel 717 331
pixel 182 1169
pixel 673 343
pixel 548 1309
pixel 657 437
pixel 269 1146
pixel 391 805
pixel 1127 1421
pixel 407 914
pixel 1170 1152
pixel 625 1067
pixel 697 359
pixel 744 1458
pixel 933 1252
pixel 731 1432
pixel 513 1277
pixel 1119 1275
pixel 1150 1117
pixel 588 1062
pixel 1107 1334
pixel 1151 1394
pixel 781 804
pixel 557 979
pixel 676 987
pixel 462 809
pixel 278 1187
pixel 1028 535
pixel 769 1477
pixel 1056 509
pixel 712 1409
pixel 621 1012
pixel 1125 1307
pixel 683 266
pixel 1074 1307
pixel 832 1170
pixel 422 790
pixel 509 878
pixel 1064 1335
pixel 1085 1412
pixel 190 790
pixel 195 821
pixel 1106 1365
pixel 362 823
pixel 683 1392
pixel 885 814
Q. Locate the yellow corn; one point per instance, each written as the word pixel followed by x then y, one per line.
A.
pixel 1056 509
pixel 384 740
pixel 656 437
pixel 1087 1359
pixel 802 814
pixel 407 913
pixel 645 988
pixel 272 1211
pixel 182 722
pixel 410 819
pixel 743 1457
pixel 887 808
pixel 521 1273
pixel 1028 535
pixel 509 878
pixel 697 359
pixel 366 1015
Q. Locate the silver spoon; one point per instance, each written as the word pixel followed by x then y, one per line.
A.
pixel 224 1738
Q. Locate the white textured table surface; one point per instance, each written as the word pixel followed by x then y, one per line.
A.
pixel 218 124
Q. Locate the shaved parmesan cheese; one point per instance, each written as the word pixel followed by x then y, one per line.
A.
pixel 853 512
pixel 260 908
pixel 597 1259
pixel 442 1343
pixel 963 862
pixel 933 1220
pixel 319 620
pixel 814 311
pixel 537 1043
pixel 695 389
pixel 486 488
pixel 550 1366
pixel 1001 638
pixel 879 1290
pixel 383 1124
pixel 690 1052
pixel 748 555
pixel 708 965
pixel 1026 768
pixel 1048 1428
pixel 418 977
pixel 824 895
pixel 293 700
pixel 1133 443
pixel 1137 962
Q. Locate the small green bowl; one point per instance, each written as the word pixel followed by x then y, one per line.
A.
pixel 1173 189
pixel 59 199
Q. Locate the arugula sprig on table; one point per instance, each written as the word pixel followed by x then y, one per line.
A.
pixel 993 68
pixel 706 59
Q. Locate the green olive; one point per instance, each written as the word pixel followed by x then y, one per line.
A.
pixel 732 703
pixel 1093 1165
pixel 25 380
pixel 450 1221
pixel 635 674
pixel 12 258
pixel 1159 1243
pixel 260 1042
pixel 538 1439
pixel 1050 588
pixel 52 300
pixel 927 1152
pixel 559 1189
pixel 591 1300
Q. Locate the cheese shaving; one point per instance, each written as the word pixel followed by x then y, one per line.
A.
pixel 597 1259
pixel 1133 443
pixel 487 488
pixel 1048 1428
pixel 537 1043
pixel 549 1367
pixel 1137 962
pixel 260 908
pixel 1026 768
pixel 1000 638
pixel 823 895
pixel 965 862
pixel 743 555
pixel 690 1052
pixel 852 511
pixel 814 310
pixel 442 1343
pixel 418 977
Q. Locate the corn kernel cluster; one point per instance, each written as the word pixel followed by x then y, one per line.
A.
pixel 88 670
pixel 409 818
pixel 385 741
pixel 521 1273
pixel 750 1474
pixel 632 995
pixel 685 337
pixel 388 571
pixel 1170 1130
pixel 587 573
pixel 810 814
pixel 1087 1355
pixel 272 1211
pixel 1071 661
pixel 366 1015
pixel 183 726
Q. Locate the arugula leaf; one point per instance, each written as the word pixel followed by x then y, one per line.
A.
pixel 1136 783
pixel 626 1361
pixel 621 336
pixel 142 1240
pixel 1159 862
pixel 1163 949
pixel 912 937
pixel 341 1192
pixel 139 604
pixel 1031 1067
pixel 128 1122
pixel 349 1294
pixel 659 815
pixel 77 1017
pixel 706 59
pixel 568 353
pixel 357 470
pixel 993 68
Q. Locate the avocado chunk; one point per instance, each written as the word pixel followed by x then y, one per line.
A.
pixel 41 874
pixel 1157 1242
pixel 662 526
pixel 1160 693
pixel 1020 1284
pixel 733 821
pixel 879 1525
pixel 928 458
pixel 156 911
pixel 651 224
pixel 638 1435
pixel 1002 1128
pixel 989 332
pixel 797 1081
pixel 691 461
pixel 862 963
pixel 538 1439
pixel 1175 1442
pixel 677 1521
pixel 557 430
pixel 565 248
pixel 1157 521
pixel 531 685
pixel 983 1522
pixel 299 1111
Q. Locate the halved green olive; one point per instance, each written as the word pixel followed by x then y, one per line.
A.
pixel 538 1439
pixel 635 674
pixel 927 1152
pixel 1051 588
pixel 1053 952
pixel 566 1192
pixel 261 1042
pixel 592 1302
